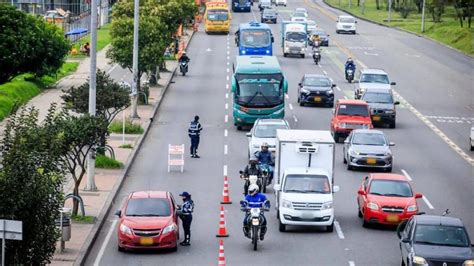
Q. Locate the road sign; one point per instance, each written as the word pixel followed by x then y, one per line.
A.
pixel 10 229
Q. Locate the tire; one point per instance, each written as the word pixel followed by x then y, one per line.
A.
pixel 359 212
pixel 301 103
pixel 299 97
pixel 281 227
pixel 336 137
pixel 472 148
pixel 330 228
pixel 285 54
pixel 365 224
pixel 303 56
pixel 264 184
pixel 349 167
pixel 402 263
pixel 388 169
pixel 393 124
pixel 337 32
pixel 175 249
pixel 255 237
pixel 120 249
pixel 331 104
pixel 239 128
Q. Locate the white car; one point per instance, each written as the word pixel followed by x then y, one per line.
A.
pixel 301 10
pixel 471 137
pixel 346 24
pixel 280 2
pixel 264 130
pixel 298 19
pixel 311 25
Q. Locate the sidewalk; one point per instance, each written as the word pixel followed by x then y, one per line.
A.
pixel 97 203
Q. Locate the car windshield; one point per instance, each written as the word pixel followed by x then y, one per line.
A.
pixel 217 15
pixel 255 38
pixel 269 12
pixel 453 236
pixel 148 207
pixel 377 97
pixel 307 184
pixel 268 130
pixel 296 37
pixel 393 188
pixel 375 139
pixel 353 110
pixel 317 81
pixel 374 78
pixel 346 20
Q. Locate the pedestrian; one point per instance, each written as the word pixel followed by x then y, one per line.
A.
pixel 194 131
pixel 186 215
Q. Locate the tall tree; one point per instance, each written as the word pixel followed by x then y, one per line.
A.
pixel 436 8
pixel 30 186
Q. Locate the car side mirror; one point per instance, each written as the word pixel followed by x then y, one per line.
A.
pixel 396 103
pixel 391 144
pixel 248 134
pixel 300 84
pixel 355 21
pixel 418 196
pixel 241 172
pixel 393 83
pixel 406 240
pixel 118 213
pixel 273 39
pixel 361 192
pixel 335 189
pixel 277 187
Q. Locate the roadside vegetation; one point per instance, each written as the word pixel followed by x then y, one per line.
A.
pixel 448 22
pixel 105 162
pixel 130 127
pixel 103 39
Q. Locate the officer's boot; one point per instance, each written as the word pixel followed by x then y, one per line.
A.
pixel 188 240
pixel 263 230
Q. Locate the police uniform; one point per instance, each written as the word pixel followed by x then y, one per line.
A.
pixel 186 216
pixel 194 132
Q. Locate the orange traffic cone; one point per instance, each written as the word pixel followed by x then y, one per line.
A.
pixel 221 260
pixel 225 193
pixel 222 232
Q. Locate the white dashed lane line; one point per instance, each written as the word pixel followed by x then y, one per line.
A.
pixel 226 133
pixel 428 203
pixel 227 95
pixel 337 88
pixel 226 118
pixel 226 106
pixel 227 77
pixel 351 263
pixel 291 106
pixel 227 86
pixel 225 170
pixel 325 73
pixel 286 96
pixel 226 149
pixel 339 232
pixel 294 118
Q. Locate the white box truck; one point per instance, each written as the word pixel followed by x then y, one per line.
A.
pixel 304 174
pixel 294 38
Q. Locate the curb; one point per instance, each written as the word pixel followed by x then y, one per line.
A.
pixel 395 28
pixel 92 237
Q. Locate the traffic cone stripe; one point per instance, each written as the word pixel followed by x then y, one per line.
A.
pixel 222 232
pixel 221 259
pixel 225 193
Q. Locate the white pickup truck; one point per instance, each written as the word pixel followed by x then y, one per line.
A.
pixel 304 174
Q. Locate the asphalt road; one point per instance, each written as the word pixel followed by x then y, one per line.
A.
pixel 433 79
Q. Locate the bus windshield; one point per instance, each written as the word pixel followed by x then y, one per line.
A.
pixel 255 38
pixel 218 15
pixel 254 90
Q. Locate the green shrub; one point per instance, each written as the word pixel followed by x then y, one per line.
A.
pixel 126 146
pixel 130 127
pixel 102 161
pixel 83 219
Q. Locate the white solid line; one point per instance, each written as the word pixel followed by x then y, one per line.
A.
pixel 226 118
pixel 425 199
pixel 225 170
pixel 225 132
pixel 406 175
pixel 339 232
pixel 339 89
pixel 296 119
pixel 227 95
pixel 104 244
pixel 226 106
pixel 351 263
pixel 112 69
pixel 291 106
pixel 325 73
pixel 225 149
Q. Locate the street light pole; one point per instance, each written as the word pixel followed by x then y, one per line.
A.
pixel 423 17
pixel 136 16
pixel 92 94
pixel 389 11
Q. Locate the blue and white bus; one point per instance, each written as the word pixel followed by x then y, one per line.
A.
pixel 255 39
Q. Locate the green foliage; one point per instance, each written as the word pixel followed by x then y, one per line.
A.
pixel 102 161
pixel 130 127
pixel 24 87
pixel 126 146
pixel 83 219
pixel 30 186
pixel 29 45
pixel 436 8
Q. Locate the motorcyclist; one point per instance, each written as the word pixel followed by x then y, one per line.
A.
pixel 184 58
pixel 251 169
pixel 265 157
pixel 316 40
pixel 349 65
pixel 255 199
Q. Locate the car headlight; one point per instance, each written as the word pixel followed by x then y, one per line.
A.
pixel 286 204
pixel 326 205
pixel 268 51
pixel 341 125
pixel 240 112
pixel 170 228
pixel 353 152
pixel 279 111
pixel 372 206
pixel 412 208
pixel 468 263
pixel 243 51
pixel 305 91
pixel 419 260
pixel 125 229
pixel 387 153
pixel 329 92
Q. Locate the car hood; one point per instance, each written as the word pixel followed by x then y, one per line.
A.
pixel 391 201
pixel 370 149
pixel 307 197
pixel 430 252
pixel 370 85
pixel 316 88
pixel 385 106
pixel 353 119
pixel 146 222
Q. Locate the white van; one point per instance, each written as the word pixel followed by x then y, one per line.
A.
pixel 346 24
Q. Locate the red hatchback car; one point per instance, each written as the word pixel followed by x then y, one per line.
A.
pixel 148 220
pixel 386 199
pixel 349 115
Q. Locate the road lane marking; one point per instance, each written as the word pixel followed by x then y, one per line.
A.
pixel 406 175
pixel 325 73
pixel 225 170
pixel 339 232
pixel 331 80
pixel 104 244
pixel 291 106
pixel 226 118
pixel 112 69
pixel 294 118
pixel 226 106
pixel 225 132
pixel 227 77
pixel 320 66
pixel 227 86
pixel 227 70
pixel 345 97
pixel 225 149
pixel 228 52
pixel 339 89
pixel 351 263
pixel 228 63
pixel 370 54
pixel 425 199
pixel 227 95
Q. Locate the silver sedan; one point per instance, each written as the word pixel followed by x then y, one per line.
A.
pixel 368 148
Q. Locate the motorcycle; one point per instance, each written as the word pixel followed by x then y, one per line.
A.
pixel 349 75
pixel 317 56
pixel 266 176
pixel 249 180
pixel 256 218
pixel 183 67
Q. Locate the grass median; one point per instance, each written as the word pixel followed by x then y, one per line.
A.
pixel 24 87
pixel 448 31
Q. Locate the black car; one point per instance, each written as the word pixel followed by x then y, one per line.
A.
pixel 322 35
pixel 316 89
pixel 434 240
pixel 382 106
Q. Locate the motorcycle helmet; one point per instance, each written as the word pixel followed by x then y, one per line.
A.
pixel 349 60
pixel 264 146
pixel 253 160
pixel 253 189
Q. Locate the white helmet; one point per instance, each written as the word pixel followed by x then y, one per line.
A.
pixel 253 189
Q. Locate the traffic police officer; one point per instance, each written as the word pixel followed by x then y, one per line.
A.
pixel 194 131
pixel 186 215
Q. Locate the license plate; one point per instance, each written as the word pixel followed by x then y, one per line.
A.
pixel 317 99
pixel 371 160
pixel 255 222
pixel 146 241
pixel 392 218
pixel 376 118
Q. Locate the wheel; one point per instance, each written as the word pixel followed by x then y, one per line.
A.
pixel 298 100
pixel 393 124
pixel 285 54
pixel 349 167
pixel 344 160
pixel 120 249
pixel 301 103
pixel 264 184
pixel 330 228
pixel 337 31
pixel 365 224
pixel 354 32
pixel 281 227
pixel 303 55
pixel 335 136
pixel 331 104
pixel 278 215
pixel 239 128
pixel 175 249
pixel 359 212
pixel 472 148
pixel 255 237
pixel 402 263
pixel 388 169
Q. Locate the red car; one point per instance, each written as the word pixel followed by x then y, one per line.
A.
pixel 349 115
pixel 386 199
pixel 148 220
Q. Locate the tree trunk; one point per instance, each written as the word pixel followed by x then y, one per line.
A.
pixel 377 4
pixel 75 202
pixel 102 143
